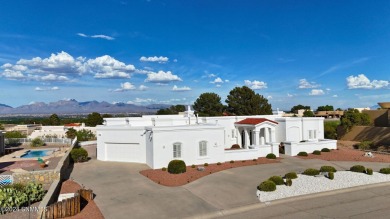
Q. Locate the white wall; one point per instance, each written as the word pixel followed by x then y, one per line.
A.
pixel 293 148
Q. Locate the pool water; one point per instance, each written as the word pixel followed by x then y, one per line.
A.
pixel 37 153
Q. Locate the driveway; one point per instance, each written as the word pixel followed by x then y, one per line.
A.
pixel 121 192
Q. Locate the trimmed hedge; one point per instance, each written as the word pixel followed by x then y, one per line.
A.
pixel 79 154
pixel 177 167
pixel 271 156
pixel 291 175
pixel 369 171
pixel 328 169
pixel 317 152
pixel 235 146
pixel 358 169
pixel 311 172
pixel 278 180
pixel 303 154
pixel 325 150
pixel 267 186
pixel 385 170
pixel 288 182
pixel 331 175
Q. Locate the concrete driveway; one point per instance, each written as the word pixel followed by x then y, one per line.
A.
pixel 121 192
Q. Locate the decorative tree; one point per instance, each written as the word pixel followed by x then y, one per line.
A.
pixel 295 109
pixel 209 104
pixel 54 120
pixel 94 119
pixel 244 101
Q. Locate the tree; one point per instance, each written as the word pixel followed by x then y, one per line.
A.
pixel 94 119
pixel 71 133
pixel 244 101
pixel 85 135
pixel 209 104
pixel 171 110
pixel 353 117
pixel 37 142
pixel 295 109
pixel 308 113
pixel 54 120
pixel 325 108
pixel 14 134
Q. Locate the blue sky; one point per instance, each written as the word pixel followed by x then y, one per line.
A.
pixel 148 51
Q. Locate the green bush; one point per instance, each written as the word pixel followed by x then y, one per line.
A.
pixel 325 150
pixel 267 186
pixel 291 175
pixel 317 152
pixel 365 145
pixel 164 169
pixel 358 169
pixel 271 156
pixel 278 180
pixel 37 142
pixel 331 175
pixel 205 164
pixel 311 172
pixel 219 163
pixel 177 167
pixel 385 170
pixel 79 154
pixel 303 154
pixel 369 171
pixel 328 169
pixel 288 182
pixel 193 166
pixel 232 161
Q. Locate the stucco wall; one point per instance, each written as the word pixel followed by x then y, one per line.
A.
pixel 293 148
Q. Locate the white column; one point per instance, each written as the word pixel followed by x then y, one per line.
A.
pixel 246 138
pixel 256 137
pixel 273 136
pixel 266 133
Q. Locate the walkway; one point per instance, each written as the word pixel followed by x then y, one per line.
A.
pixel 121 191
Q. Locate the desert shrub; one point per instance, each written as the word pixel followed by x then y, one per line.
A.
pixel 219 163
pixel 254 160
pixel 267 186
pixel 311 172
pixel 177 167
pixel 369 171
pixel 330 129
pixel 291 175
pixel 164 169
pixel 328 169
pixel 317 152
pixel 358 169
pixel 193 165
pixel 365 145
pixel 79 154
pixel 15 196
pixel 303 154
pixel 232 161
pixel 385 170
pixel 288 182
pixel 37 142
pixel 235 146
pixel 205 164
pixel 331 175
pixel 278 180
pixel 325 150
pixel 271 156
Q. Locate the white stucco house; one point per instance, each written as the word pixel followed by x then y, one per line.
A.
pixel 158 139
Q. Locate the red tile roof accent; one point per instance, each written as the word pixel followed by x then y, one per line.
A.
pixel 254 121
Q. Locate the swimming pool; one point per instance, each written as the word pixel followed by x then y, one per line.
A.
pixel 36 153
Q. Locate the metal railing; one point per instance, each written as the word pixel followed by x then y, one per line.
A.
pixel 46 140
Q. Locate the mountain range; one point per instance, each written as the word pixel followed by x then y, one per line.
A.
pixel 72 106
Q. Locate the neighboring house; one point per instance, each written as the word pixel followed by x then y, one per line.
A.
pixel 156 140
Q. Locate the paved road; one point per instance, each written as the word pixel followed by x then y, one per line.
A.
pixel 121 192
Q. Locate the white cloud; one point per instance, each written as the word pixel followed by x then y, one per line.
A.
pixel 47 89
pixel 160 59
pixel 269 97
pixel 289 95
pixel 316 92
pixel 176 88
pixel 108 67
pixel 304 84
pixel 217 80
pixel 143 87
pixel 218 85
pixel 125 87
pixel 175 60
pixel 101 36
pixel 362 82
pixel 335 95
pixel 140 100
pixel 162 77
pixel 255 85
pixel 53 77
pixel 142 71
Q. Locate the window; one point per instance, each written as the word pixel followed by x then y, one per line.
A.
pixel 203 148
pixel 177 150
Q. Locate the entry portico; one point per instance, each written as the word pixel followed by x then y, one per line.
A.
pixel 256 131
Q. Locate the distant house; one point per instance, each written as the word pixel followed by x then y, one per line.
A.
pixel 158 139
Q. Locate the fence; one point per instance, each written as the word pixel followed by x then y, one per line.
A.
pixel 6 180
pixel 69 207
pixel 46 140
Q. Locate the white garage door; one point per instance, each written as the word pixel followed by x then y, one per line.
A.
pixel 124 152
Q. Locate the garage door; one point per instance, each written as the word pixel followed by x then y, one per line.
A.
pixel 124 152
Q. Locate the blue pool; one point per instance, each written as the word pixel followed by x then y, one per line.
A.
pixel 36 153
